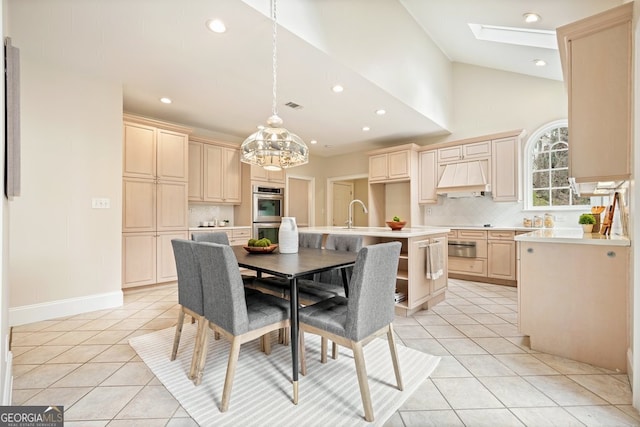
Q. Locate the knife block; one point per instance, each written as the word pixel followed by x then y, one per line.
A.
pixel 596 226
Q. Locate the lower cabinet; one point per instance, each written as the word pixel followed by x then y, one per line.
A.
pixel 147 258
pixel 501 255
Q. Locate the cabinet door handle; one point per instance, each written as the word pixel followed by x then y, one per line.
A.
pixel 530 250
pixel 611 254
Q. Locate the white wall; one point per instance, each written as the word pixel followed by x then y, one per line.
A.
pixel 5 355
pixel 65 257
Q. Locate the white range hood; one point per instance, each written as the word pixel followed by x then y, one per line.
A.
pixel 464 177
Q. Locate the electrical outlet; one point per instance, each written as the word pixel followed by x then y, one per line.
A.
pixel 100 203
pixel 429 211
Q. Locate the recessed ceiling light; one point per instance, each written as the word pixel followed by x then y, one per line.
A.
pixel 366 128
pixel 216 25
pixel 313 141
pixel 381 112
pixel 540 62
pixel 531 17
pixel 337 88
pixel 166 100
pixel 328 146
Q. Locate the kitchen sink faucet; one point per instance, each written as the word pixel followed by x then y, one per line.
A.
pixel 350 220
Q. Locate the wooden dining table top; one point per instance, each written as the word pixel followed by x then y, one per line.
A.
pixel 305 261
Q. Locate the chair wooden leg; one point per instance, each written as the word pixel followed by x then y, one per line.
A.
pixel 234 352
pixel 303 359
pixel 216 336
pixel 193 320
pixel 323 350
pixel 334 350
pixel 363 382
pixel 200 354
pixel 176 339
pixel 283 336
pixel 394 356
pixel 266 340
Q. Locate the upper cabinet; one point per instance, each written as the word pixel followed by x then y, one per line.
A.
pixel 596 55
pixel 262 175
pixel 428 176
pixel 214 171
pixel 505 173
pixel 477 150
pixel 393 164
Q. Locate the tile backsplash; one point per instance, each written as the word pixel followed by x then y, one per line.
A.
pixel 199 212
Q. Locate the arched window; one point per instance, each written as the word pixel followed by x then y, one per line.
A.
pixel 547 169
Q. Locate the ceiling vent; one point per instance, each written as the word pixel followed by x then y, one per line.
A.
pixel 293 105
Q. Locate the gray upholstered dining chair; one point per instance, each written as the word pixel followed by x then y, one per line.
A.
pixel 368 312
pixel 236 317
pixel 189 291
pixel 220 237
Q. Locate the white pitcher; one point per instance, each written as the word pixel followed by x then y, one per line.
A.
pixel 288 236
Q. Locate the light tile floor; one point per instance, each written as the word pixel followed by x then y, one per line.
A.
pixel 488 375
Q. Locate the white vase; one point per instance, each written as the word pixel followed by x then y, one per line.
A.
pixel 587 228
pixel 288 236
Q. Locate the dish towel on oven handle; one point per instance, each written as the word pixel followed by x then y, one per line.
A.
pixel 435 260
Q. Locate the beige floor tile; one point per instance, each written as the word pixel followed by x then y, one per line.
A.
pixel 471 309
pixel 39 355
pixel 426 397
pixel 568 366
pixel 466 393
pixel 525 364
pixel 509 317
pixel 169 314
pixel 476 331
pixel 154 400
pixel 427 345
pixel 459 319
pixel 19 370
pixel 67 325
pixel 546 417
pixel 443 331
pixel 120 313
pixel 130 324
pixel 498 345
pixel 488 418
pixel 563 391
pixel 450 367
pixel 116 353
pixel 88 375
pixel 484 365
pixel 405 321
pixel 615 389
pixel 442 418
pixel 37 326
pixel 75 337
pixel 479 301
pixel 101 403
pixel 431 320
pixel 34 338
pixel 188 422
pixel 458 346
pixel 64 396
pixel 411 331
pixel 601 416
pixel 159 323
pixel 107 337
pixel 43 376
pixel 79 354
pixel 132 373
pixel 18 350
pixel 631 411
pixel 144 422
pixel 147 313
pixel 515 392
pixel 445 309
pixel 85 423
pixel 18 397
pixel 98 324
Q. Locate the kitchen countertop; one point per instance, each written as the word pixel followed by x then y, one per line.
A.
pixel 572 236
pixel 497 228
pixel 378 231
pixel 226 227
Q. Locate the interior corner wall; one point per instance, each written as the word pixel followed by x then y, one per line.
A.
pixel 65 257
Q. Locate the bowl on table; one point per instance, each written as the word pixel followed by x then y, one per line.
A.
pixel 260 249
pixel 396 225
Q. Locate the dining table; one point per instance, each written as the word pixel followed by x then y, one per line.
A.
pixel 292 266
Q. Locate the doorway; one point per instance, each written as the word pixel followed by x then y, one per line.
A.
pixel 338 199
pixel 300 200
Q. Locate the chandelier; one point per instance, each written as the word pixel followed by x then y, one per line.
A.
pixel 273 147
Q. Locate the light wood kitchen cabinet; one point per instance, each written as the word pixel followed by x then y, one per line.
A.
pixel 574 301
pixel 501 255
pixel 155 174
pixel 597 63
pixel 394 164
pixel 262 175
pixel 215 175
pixel 147 258
pixel 428 176
pixel 476 150
pixel 505 173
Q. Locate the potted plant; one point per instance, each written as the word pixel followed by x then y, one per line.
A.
pixel 587 220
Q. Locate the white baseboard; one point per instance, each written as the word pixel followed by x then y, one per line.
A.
pixel 62 308
pixel 8 380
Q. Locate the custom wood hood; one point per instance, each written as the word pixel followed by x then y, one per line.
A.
pixel 463 177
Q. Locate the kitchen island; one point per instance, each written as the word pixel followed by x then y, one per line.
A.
pixel 573 295
pixel 414 290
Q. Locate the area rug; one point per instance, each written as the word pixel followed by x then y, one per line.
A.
pixel 262 390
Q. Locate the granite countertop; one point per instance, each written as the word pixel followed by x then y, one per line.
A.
pixel 378 231
pixel 572 236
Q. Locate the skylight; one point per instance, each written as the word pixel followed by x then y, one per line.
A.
pixel 519 36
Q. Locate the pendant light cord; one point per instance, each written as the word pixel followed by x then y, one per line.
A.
pixel 274 106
